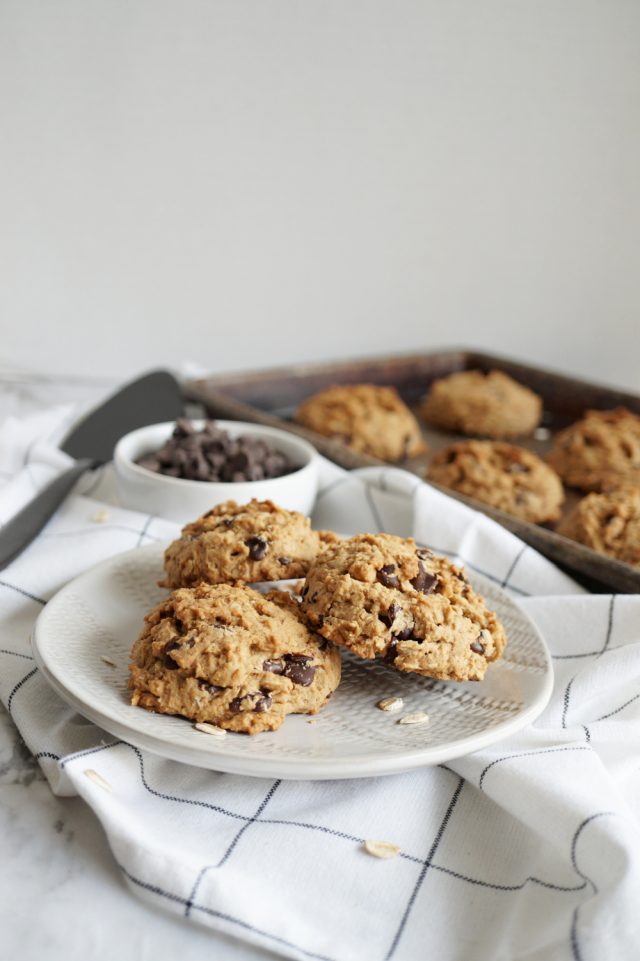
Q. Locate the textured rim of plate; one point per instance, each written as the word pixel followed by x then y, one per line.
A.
pixel 205 755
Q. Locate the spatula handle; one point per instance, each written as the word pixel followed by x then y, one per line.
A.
pixel 18 532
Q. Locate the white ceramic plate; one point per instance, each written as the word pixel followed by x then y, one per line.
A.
pixel 100 614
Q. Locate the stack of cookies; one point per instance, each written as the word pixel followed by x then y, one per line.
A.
pixel 600 454
pixel 218 651
pixel 375 420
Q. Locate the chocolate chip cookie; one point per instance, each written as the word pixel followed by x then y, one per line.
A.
pixel 369 419
pixel 490 405
pixel 382 596
pixel 599 452
pixel 609 523
pixel 257 541
pixel 232 657
pixel 508 477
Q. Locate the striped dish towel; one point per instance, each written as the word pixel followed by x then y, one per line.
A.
pixel 527 850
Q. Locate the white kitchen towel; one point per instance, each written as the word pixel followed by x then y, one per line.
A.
pixel 527 850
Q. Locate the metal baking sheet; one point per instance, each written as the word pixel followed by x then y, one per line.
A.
pixel 271 397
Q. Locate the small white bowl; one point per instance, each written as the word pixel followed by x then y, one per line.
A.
pixel 184 500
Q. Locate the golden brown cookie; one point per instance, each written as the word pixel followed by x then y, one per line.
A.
pixel 609 523
pixel 369 419
pixel 382 596
pixel 257 541
pixel 491 405
pixel 232 657
pixel 599 452
pixel 508 477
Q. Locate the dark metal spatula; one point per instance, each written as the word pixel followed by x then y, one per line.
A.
pixel 151 399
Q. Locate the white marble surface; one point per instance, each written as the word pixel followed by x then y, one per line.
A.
pixel 61 896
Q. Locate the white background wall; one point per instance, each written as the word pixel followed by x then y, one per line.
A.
pixel 253 182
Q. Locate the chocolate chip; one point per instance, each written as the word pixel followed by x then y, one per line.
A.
pixel 390 615
pixel 298 669
pixel 423 581
pixel 183 428
pixel 294 666
pixel 258 701
pixel 257 548
pixel 239 462
pixel 168 661
pixel 405 634
pixel 320 622
pixel 477 647
pixel 391 651
pixel 149 463
pixel 285 561
pixel 263 703
pixel 424 553
pixel 210 688
pixel 273 667
pixel 386 576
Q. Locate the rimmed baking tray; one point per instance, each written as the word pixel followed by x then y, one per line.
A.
pixel 271 397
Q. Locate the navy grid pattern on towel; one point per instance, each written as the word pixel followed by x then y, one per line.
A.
pixel 528 850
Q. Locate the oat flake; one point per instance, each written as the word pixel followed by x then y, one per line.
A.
pixel 210 729
pixel 98 779
pixel 418 718
pixel 381 849
pixel 390 704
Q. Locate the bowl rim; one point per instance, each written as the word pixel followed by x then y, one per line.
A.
pixel 125 461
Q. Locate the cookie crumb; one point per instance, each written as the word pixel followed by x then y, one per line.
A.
pixel 418 718
pixel 107 660
pixel 381 849
pixel 390 704
pixel 98 779
pixel 210 729
pixel 100 517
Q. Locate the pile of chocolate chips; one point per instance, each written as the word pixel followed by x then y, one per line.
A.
pixel 211 454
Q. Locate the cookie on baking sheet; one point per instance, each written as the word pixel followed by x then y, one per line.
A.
pixel 369 419
pixel 491 405
pixel 230 656
pixel 600 451
pixel 257 541
pixel 382 596
pixel 508 477
pixel 609 523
